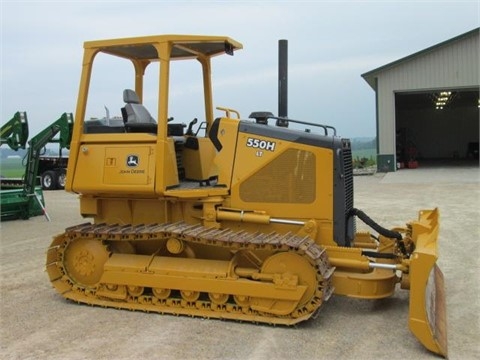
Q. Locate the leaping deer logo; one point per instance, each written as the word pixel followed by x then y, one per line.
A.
pixel 132 160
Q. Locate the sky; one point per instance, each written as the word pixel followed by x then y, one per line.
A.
pixel 330 45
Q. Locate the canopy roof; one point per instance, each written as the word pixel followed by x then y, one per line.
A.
pixel 183 46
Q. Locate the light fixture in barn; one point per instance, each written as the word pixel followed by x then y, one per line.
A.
pixel 442 99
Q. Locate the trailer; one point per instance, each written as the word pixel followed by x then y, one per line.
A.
pixel 53 172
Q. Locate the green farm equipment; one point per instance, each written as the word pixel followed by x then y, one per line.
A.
pixel 15 132
pixel 23 198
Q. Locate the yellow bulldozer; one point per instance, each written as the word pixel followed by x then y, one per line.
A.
pixel 249 220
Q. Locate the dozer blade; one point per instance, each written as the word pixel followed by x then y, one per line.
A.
pixel 427 313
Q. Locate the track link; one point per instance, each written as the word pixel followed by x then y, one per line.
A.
pixel 190 234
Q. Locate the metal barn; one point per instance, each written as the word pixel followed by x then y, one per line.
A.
pixel 427 105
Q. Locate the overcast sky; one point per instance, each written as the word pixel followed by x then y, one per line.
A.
pixel 331 43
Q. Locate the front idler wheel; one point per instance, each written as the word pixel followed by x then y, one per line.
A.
pixel 84 260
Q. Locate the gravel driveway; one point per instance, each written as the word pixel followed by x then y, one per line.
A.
pixel 36 323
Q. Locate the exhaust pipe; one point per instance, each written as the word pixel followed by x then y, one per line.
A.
pixel 282 83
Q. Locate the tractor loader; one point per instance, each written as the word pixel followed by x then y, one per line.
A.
pixel 242 219
pixel 23 198
pixel 14 132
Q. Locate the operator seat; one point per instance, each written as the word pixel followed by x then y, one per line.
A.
pixel 135 115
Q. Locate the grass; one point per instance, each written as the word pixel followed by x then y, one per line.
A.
pixel 364 157
pixel 365 153
pixel 12 168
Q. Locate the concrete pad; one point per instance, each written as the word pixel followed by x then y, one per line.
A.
pixel 434 174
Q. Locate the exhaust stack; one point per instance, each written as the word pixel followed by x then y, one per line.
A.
pixel 282 83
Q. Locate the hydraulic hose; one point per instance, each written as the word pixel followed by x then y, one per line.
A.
pixel 380 229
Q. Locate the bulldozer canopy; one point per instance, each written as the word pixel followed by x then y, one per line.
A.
pixel 183 46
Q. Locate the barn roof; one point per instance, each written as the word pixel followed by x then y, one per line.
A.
pixel 370 76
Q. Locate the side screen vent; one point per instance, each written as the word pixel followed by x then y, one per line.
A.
pixel 348 176
pixel 348 172
pixel 290 178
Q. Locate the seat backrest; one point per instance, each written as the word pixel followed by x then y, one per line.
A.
pixel 135 112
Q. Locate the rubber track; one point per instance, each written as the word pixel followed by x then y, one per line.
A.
pixel 303 246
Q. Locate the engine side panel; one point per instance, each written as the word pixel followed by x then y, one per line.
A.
pixel 295 174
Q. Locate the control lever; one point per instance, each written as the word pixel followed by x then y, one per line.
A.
pixel 190 127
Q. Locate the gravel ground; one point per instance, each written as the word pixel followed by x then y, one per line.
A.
pixel 36 323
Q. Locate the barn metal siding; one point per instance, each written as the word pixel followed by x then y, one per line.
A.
pixel 452 64
pixel 456 65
